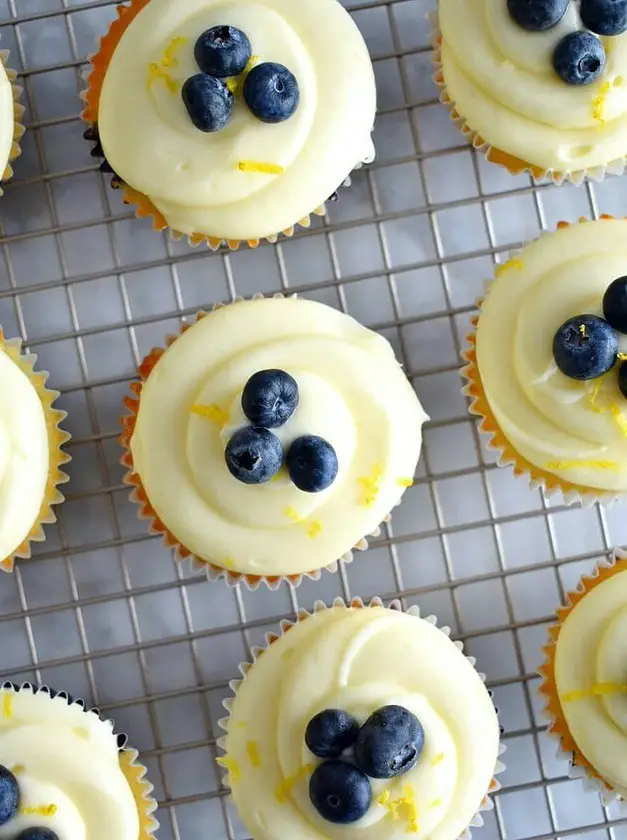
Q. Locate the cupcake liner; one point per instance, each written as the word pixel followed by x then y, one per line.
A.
pixel 355 603
pixel 579 766
pixel 56 438
pixel 133 770
pixel 18 116
pixel 148 513
pixel 143 206
pixel 514 165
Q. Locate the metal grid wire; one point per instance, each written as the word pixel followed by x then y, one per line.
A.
pixel 102 610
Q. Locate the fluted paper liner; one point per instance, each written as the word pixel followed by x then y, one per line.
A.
pixel 580 767
pixel 147 512
pixel 134 772
pixel 514 165
pixel 495 439
pixel 355 603
pixel 56 438
pixel 18 116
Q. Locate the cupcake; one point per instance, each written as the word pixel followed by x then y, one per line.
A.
pixel 584 679
pixel 378 722
pixel 11 115
pixel 270 438
pixel 30 453
pixel 228 122
pixel 66 773
pixel 544 87
pixel 546 370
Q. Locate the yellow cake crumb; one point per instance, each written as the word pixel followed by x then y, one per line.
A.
pixel 283 791
pixel 213 413
pixel 597 690
pixel 259 166
pixel 252 748
pixel 371 485
pixel 231 766
pixel 513 263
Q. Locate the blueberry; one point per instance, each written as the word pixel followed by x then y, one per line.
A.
pixel 340 792
pixel 331 732
pixel 585 347
pixel 389 743
pixel 622 379
pixel 537 15
pixel 271 92
pixel 254 455
pixel 209 102
pixel 9 795
pixel 579 58
pixel 312 463
pixel 223 51
pixel 270 398
pixel 605 17
pixel 615 304
pixel 37 833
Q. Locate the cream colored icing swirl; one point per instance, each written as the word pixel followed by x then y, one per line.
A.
pixel 591 677
pixel 352 392
pixel 67 767
pixel 24 455
pixel 502 80
pixel 359 660
pixel 576 430
pixel 7 118
pixel 193 178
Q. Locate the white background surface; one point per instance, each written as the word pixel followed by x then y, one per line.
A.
pixel 102 611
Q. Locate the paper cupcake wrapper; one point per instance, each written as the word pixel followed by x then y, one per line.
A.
pixel 144 207
pixel 514 165
pixel 133 770
pixel 18 117
pixel 148 513
pixel 355 603
pixel 579 766
pixel 56 438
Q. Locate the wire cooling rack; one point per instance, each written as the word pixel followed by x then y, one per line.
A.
pixel 102 610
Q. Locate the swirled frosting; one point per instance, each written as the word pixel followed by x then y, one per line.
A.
pixel 195 179
pixel 24 455
pixel 576 430
pixel 7 119
pixel 352 393
pixel 67 767
pixel 502 81
pixel 590 675
pixel 359 659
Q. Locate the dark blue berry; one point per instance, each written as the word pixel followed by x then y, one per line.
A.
pixel 254 455
pixel 389 743
pixel 312 463
pixel 622 379
pixel 585 347
pixel 209 102
pixel 9 795
pixel 222 51
pixel 270 398
pixel 579 58
pixel 605 17
pixel 340 792
pixel 537 15
pixel 37 833
pixel 331 732
pixel 271 92
pixel 615 304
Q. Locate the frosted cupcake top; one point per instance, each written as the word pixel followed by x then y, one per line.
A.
pixel 65 771
pixel 555 97
pixel 7 118
pixel 284 475
pixel 317 762
pixel 551 339
pixel 239 175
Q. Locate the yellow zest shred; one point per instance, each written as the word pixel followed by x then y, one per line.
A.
pixel 40 810
pixel 597 690
pixel 312 526
pixel 371 485
pixel 404 808
pixel 19 768
pixel 228 563
pixel 618 81
pixel 598 103
pixel 572 465
pixel 231 766
pixel 513 263
pixel 252 748
pixel 437 759
pixel 405 482
pixel 213 413
pixel 258 166
pixel 236 83
pixel 621 357
pixel 232 84
pixel 7 704
pixel 169 59
pixel 156 71
pixel 582 329
pixel 602 402
pixel 384 798
pixel 435 804
pixel 283 790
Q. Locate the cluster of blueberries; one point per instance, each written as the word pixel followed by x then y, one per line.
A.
pixel 254 455
pixel 222 52
pixel 10 805
pixel 387 745
pixel 579 58
pixel 587 347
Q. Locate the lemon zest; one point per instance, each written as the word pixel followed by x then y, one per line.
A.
pixel 437 759
pixel 169 59
pixel 236 83
pixel 312 526
pixel 7 704
pixel 607 405
pixel 231 766
pixel 228 563
pixel 371 485
pixel 403 808
pixel 40 810
pixel 232 84
pixel 405 482
pixel 19 768
pixel 597 690
pixel 621 357
pixel 211 412
pixel 283 790
pixel 259 166
pixel 513 263
pixel 252 748
pixel 436 803
pixel 598 104
pixel 572 465
pixel 156 71
pixel 582 330
pixel 618 81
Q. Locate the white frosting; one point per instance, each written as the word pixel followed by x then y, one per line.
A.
pixel 193 178
pixel 359 660
pixel 65 757
pixel 590 657
pixel 24 455
pixel 558 424
pixel 7 119
pixel 352 392
pixel 502 80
